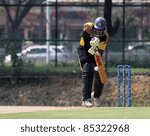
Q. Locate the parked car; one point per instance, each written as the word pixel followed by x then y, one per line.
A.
pixel 39 53
pixel 138 51
pixel 140 48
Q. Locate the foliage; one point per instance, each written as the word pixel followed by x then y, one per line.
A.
pixel 12 38
pixel 32 68
pixel 74 68
pixel 136 62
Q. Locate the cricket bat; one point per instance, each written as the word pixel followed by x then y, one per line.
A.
pixel 94 51
pixel 101 68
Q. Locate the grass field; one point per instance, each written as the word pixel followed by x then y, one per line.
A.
pixel 85 113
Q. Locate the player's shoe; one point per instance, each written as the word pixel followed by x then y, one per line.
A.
pixel 87 103
pixel 96 100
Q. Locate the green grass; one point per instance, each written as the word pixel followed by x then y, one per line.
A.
pixel 63 67
pixel 39 68
pixel 85 113
pixel 133 70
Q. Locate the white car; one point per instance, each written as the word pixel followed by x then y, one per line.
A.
pixel 138 51
pixel 39 53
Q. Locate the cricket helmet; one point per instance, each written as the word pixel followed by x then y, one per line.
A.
pixel 100 26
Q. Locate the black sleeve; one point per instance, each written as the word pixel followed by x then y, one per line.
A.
pixel 84 56
pixel 87 39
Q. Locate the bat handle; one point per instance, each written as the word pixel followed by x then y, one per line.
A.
pixel 97 53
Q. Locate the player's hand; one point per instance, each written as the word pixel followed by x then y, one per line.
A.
pixel 94 45
pixel 95 41
pixel 93 50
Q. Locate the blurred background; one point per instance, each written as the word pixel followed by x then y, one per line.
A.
pixel 40 37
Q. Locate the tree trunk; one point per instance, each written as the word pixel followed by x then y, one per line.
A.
pixel 112 30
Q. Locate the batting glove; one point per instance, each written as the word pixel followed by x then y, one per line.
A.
pixel 94 41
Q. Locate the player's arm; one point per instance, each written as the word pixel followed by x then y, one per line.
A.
pixel 85 40
pixel 86 35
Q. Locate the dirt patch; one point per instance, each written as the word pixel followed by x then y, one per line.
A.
pixel 66 91
pixel 18 109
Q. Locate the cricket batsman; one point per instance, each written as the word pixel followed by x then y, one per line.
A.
pixel 93 35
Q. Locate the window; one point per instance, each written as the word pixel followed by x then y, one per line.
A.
pixel 58 50
pixel 33 51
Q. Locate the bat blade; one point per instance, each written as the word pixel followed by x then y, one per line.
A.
pixel 101 68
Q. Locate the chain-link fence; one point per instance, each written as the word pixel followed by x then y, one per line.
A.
pixel 24 28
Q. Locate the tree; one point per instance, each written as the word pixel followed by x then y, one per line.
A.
pixel 15 20
pixel 112 30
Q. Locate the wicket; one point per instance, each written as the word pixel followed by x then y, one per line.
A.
pixel 121 70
